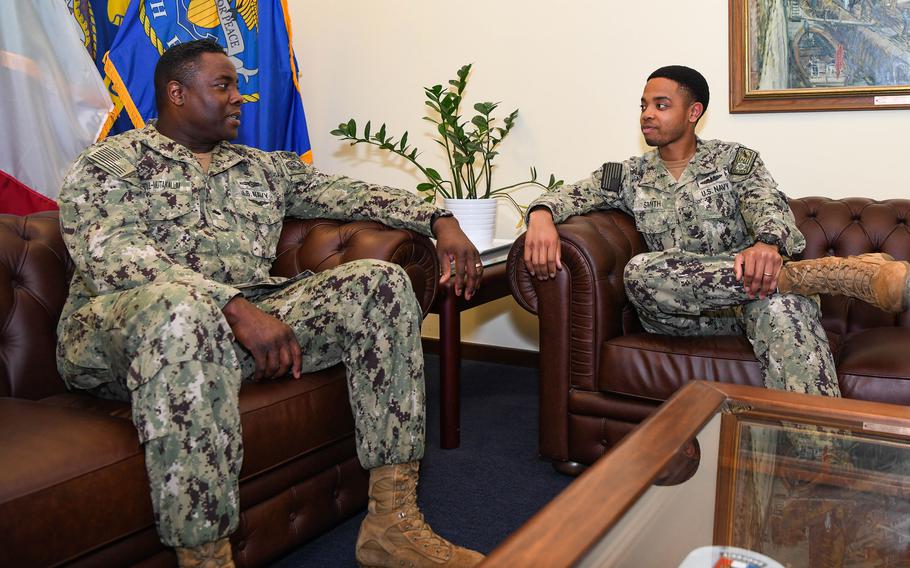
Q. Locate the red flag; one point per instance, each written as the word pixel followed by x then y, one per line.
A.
pixel 19 199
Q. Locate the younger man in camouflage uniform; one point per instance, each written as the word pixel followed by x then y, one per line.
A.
pixel 173 230
pixel 717 227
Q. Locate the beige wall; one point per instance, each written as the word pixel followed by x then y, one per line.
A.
pixel 575 70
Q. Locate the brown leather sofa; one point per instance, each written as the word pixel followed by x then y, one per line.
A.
pixel 73 487
pixel 601 375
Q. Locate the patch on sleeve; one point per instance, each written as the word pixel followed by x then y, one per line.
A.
pixel 611 176
pixel 743 162
pixel 112 160
pixel 293 165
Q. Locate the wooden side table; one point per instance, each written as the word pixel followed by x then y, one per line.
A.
pixel 493 285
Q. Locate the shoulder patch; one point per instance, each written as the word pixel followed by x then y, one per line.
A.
pixel 743 162
pixel 111 159
pixel 611 176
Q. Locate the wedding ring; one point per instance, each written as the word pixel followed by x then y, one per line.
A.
pixel 478 265
pixel 769 274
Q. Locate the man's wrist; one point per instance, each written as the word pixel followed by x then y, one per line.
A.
pixel 770 239
pixel 540 211
pixel 440 221
pixel 232 309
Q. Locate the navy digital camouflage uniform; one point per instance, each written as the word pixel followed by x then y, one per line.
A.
pixel 723 201
pixel 161 246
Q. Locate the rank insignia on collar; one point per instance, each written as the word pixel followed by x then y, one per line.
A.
pixel 743 161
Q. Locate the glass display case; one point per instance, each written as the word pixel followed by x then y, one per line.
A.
pixel 803 480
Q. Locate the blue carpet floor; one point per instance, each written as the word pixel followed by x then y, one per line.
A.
pixel 480 493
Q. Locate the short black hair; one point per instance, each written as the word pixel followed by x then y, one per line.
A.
pixel 178 63
pixel 689 80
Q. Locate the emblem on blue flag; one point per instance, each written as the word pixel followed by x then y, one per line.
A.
pixel 255 37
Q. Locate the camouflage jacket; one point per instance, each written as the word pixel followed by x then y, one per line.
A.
pixel 723 202
pixel 137 207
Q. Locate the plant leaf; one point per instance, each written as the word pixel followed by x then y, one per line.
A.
pixel 485 108
pixel 366 131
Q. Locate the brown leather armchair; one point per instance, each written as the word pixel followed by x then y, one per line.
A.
pixel 601 375
pixel 73 487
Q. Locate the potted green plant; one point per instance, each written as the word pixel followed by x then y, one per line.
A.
pixel 470 148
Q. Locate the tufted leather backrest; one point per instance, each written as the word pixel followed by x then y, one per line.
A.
pixel 855 225
pixel 35 271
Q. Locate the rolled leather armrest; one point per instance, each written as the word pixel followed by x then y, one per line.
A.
pixel 321 244
pixel 577 311
pixel 595 249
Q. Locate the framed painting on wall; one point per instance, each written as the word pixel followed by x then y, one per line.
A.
pixel 808 55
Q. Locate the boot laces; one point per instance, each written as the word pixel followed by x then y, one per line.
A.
pixel 415 527
pixel 847 279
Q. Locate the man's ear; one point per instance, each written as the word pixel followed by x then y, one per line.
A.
pixel 176 92
pixel 696 109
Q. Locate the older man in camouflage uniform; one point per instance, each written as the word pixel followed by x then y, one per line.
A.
pixel 717 227
pixel 173 231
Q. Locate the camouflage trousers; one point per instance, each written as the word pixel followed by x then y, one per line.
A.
pixel 682 293
pixel 169 351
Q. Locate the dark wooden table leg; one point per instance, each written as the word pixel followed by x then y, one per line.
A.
pixel 495 285
pixel 450 369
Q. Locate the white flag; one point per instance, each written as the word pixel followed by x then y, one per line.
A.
pixel 53 102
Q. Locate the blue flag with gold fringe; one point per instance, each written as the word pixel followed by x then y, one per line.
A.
pixel 99 21
pixel 257 39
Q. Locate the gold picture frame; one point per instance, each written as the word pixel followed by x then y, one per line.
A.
pixel 819 55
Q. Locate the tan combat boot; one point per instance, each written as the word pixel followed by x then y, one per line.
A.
pixel 394 532
pixel 209 555
pixel 875 278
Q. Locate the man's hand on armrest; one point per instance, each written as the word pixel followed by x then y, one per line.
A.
pixel 542 254
pixel 452 245
pixel 271 341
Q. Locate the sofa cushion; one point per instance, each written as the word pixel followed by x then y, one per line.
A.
pixel 655 366
pixel 873 365
pixel 285 419
pixel 65 475
pixel 83 458
pixel 281 420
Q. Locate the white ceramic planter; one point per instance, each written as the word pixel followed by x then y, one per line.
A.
pixel 477 218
